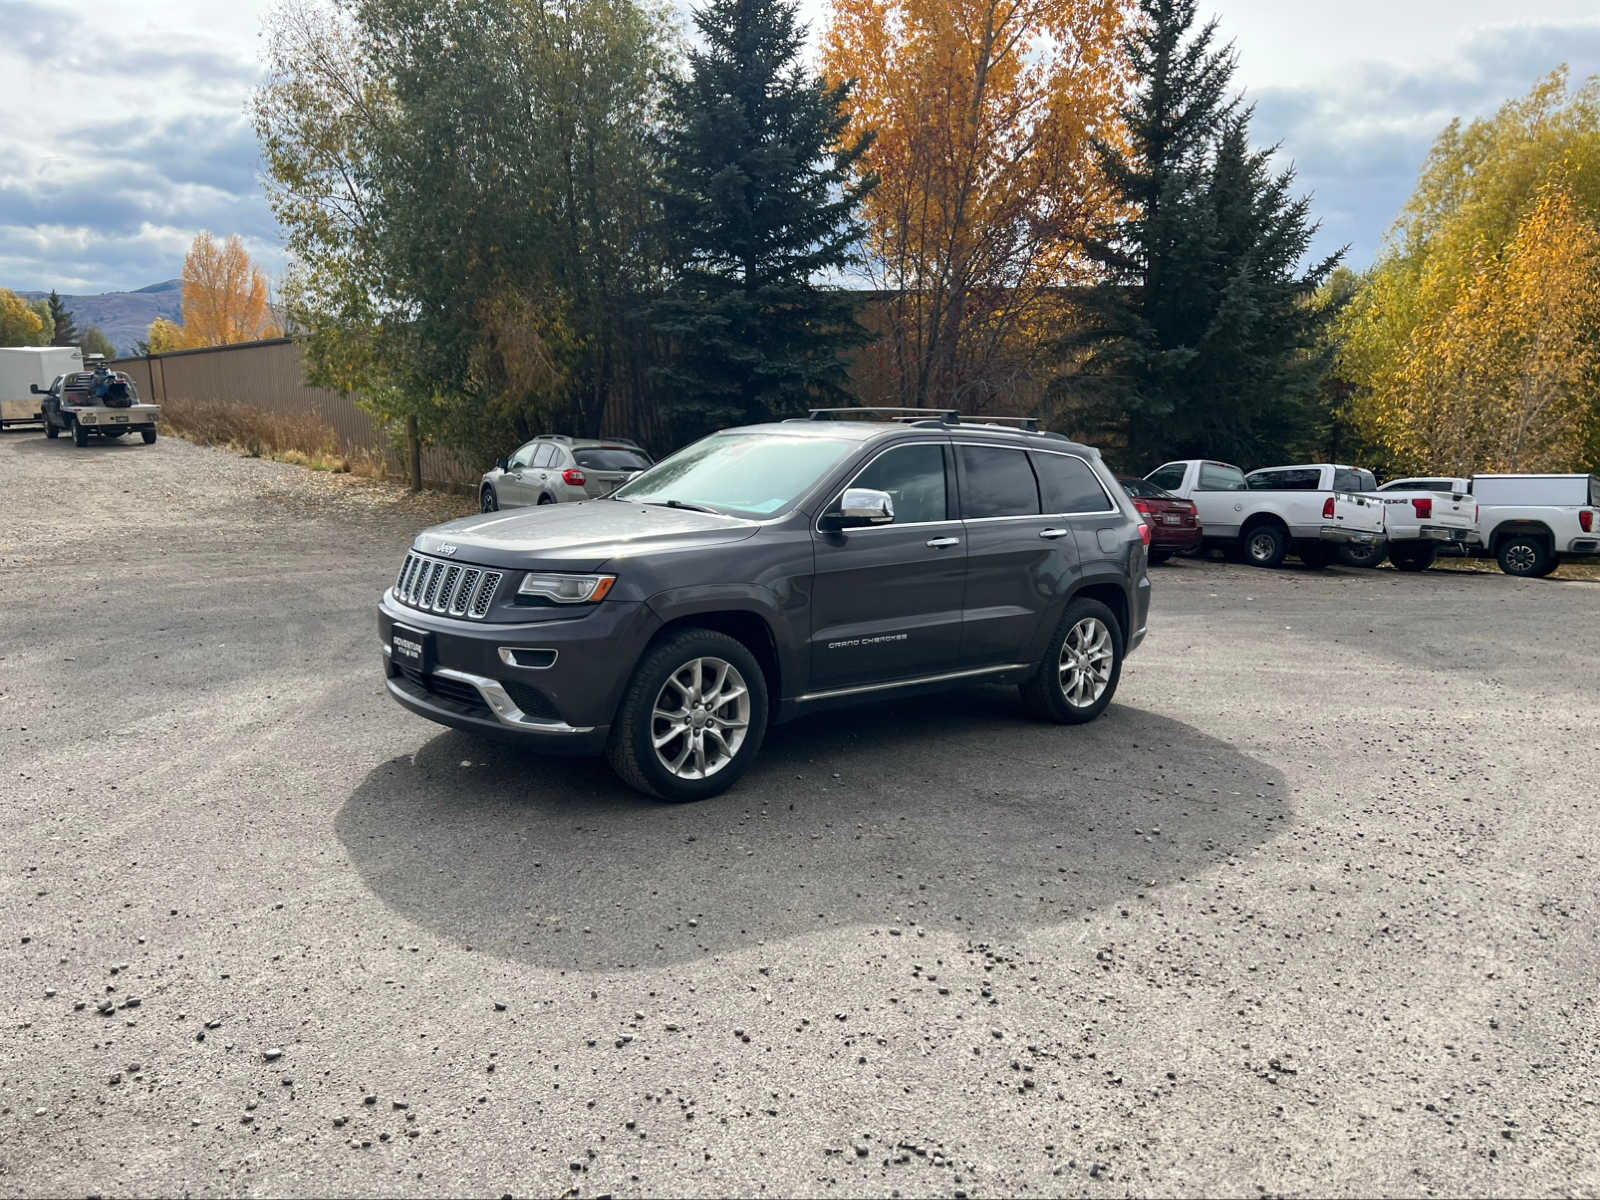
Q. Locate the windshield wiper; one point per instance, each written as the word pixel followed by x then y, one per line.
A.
pixel 684 504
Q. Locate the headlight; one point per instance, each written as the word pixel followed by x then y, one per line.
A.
pixel 566 589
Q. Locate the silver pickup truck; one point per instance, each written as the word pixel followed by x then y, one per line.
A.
pixel 96 404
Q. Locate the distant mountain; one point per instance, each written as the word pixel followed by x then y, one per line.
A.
pixel 123 316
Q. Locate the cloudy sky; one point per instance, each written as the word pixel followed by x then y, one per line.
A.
pixel 128 132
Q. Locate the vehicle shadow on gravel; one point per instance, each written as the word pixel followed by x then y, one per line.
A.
pixel 63 445
pixel 952 813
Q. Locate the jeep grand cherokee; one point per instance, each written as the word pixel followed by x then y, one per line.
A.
pixel 765 572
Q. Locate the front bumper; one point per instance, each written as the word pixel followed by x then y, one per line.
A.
pixel 560 696
pixel 1354 537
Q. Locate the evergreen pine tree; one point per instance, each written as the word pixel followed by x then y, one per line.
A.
pixel 66 333
pixel 758 203
pixel 1200 339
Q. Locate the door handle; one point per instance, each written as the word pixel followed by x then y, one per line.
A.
pixel 1052 534
pixel 941 543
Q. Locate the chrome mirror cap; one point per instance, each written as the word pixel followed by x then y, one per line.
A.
pixel 866 505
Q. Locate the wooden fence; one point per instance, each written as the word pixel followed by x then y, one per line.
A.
pixel 270 376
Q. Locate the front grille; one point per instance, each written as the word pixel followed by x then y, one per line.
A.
pixel 446 588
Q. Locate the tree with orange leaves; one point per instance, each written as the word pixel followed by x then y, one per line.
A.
pixel 985 114
pixel 225 297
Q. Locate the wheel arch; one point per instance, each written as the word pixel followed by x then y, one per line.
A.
pixel 747 626
pixel 1507 530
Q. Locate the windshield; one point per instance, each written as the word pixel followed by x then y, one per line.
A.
pixel 740 474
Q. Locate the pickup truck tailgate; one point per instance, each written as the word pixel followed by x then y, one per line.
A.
pixel 1353 517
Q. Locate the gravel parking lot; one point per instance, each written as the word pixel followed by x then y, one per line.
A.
pixel 1312 910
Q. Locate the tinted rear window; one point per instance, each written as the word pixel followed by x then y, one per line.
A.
pixel 1144 489
pixel 607 458
pixel 997 483
pixel 1300 479
pixel 1067 484
pixel 1354 481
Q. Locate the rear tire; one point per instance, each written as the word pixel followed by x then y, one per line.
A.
pixel 1353 554
pixel 80 435
pixel 547 499
pixel 1413 558
pixel 1080 670
pixel 646 733
pixel 149 436
pixel 1524 556
pixel 1265 546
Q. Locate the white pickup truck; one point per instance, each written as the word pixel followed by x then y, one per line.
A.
pixel 1530 523
pixel 1420 516
pixel 1310 511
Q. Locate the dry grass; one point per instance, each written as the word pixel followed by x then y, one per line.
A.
pixel 301 440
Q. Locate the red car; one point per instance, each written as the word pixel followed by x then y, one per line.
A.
pixel 1174 524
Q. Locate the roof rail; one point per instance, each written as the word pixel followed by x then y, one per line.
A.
pixel 922 416
pixel 946 416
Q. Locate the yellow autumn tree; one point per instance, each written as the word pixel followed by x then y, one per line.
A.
pixel 984 112
pixel 1475 195
pixel 165 336
pixel 1508 377
pixel 20 324
pixel 225 296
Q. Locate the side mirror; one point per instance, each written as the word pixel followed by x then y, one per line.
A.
pixel 861 506
pixel 35 389
pixel 502 463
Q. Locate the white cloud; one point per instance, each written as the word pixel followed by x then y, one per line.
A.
pixel 137 139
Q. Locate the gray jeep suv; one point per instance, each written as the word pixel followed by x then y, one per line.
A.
pixel 765 572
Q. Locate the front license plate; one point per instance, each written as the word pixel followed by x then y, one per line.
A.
pixel 412 648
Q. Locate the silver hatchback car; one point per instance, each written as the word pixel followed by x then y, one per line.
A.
pixel 554 467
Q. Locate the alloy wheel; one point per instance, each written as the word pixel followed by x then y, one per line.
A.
pixel 700 718
pixel 491 502
pixel 1522 557
pixel 1263 546
pixel 1086 661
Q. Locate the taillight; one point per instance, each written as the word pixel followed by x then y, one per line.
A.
pixel 1327 509
pixel 574 476
pixel 1424 508
pixel 1586 521
pixel 1144 533
pixel 1142 506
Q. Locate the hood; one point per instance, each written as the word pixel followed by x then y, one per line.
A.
pixel 581 536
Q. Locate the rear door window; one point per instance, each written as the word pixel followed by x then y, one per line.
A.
pixel 1067 484
pixel 914 477
pixel 996 482
pixel 1219 477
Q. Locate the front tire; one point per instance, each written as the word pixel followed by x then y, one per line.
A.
pixel 50 431
pixel 547 499
pixel 1265 546
pixel 1080 671
pixel 1414 558
pixel 487 499
pixel 1523 556
pixel 80 435
pixel 692 719
pixel 149 436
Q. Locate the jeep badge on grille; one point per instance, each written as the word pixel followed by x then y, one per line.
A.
pixel 447 548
